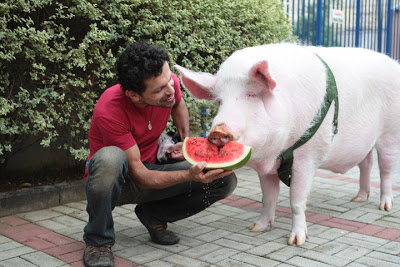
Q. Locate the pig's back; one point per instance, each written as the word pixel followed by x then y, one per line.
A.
pixel 368 85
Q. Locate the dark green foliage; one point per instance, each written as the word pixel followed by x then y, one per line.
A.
pixel 57 57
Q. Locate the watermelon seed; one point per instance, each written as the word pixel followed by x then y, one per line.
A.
pixel 190 189
pixel 207 192
pixel 223 154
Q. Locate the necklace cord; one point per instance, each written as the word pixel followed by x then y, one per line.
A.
pixel 151 116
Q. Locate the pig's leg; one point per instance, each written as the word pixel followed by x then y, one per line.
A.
pixel 365 178
pixel 270 191
pixel 387 159
pixel 299 190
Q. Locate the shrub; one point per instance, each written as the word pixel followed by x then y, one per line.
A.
pixel 57 57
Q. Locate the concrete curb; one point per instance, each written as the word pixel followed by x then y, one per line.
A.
pixel 41 197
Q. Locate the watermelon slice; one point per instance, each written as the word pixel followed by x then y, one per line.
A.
pixel 232 155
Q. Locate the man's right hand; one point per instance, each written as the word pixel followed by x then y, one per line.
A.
pixel 197 174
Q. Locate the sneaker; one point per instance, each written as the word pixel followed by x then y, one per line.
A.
pixel 158 230
pixel 98 257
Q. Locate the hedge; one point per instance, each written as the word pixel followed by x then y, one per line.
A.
pixel 57 57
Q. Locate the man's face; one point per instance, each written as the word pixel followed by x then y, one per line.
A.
pixel 159 90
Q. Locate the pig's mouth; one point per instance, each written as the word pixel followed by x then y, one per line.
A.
pixel 219 136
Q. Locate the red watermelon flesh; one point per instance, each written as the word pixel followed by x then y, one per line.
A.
pixel 231 156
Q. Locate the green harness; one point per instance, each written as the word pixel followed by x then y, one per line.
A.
pixel 286 157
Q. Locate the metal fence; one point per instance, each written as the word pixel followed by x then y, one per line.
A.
pixel 372 24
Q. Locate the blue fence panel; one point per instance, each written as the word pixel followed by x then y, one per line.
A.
pixel 372 24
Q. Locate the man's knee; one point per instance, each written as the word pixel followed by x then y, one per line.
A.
pixel 109 157
pixel 105 168
pixel 230 182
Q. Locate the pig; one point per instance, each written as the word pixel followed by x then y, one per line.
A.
pixel 268 98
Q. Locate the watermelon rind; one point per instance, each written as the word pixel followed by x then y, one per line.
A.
pixel 232 165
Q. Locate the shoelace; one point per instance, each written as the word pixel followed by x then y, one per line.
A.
pixel 99 250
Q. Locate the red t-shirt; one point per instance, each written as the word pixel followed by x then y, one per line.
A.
pixel 117 122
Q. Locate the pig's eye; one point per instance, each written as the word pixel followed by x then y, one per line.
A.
pixel 251 95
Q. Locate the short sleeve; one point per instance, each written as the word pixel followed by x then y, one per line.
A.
pixel 115 133
pixel 177 87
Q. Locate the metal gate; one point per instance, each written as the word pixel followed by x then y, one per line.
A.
pixel 372 24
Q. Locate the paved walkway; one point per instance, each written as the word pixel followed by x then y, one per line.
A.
pixel 342 233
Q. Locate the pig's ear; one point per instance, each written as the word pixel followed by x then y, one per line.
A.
pixel 260 73
pixel 198 84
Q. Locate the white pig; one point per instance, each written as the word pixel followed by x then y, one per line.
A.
pixel 268 97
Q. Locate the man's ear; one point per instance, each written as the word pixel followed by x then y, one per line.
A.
pixel 135 97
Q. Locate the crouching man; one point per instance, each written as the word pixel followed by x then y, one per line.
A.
pixel 122 167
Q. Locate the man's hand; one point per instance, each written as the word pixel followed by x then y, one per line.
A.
pixel 175 151
pixel 197 174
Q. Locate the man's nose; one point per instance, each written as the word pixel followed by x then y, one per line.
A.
pixel 171 89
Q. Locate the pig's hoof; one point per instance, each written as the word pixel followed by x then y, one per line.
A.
pixel 255 228
pixel 359 198
pixel 386 206
pixel 298 240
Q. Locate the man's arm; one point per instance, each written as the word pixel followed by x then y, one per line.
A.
pixel 148 179
pixel 180 116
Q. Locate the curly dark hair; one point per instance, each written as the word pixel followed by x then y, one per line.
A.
pixel 138 62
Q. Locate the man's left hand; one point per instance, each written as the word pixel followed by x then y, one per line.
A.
pixel 175 151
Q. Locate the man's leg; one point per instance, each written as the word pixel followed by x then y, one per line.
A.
pixel 107 172
pixel 183 200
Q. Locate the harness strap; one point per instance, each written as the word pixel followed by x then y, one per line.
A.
pixel 285 169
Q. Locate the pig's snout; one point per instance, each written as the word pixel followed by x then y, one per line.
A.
pixel 220 135
pixel 218 140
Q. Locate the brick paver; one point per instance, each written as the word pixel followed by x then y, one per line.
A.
pixel 342 233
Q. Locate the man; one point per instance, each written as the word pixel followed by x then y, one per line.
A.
pixel 122 168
